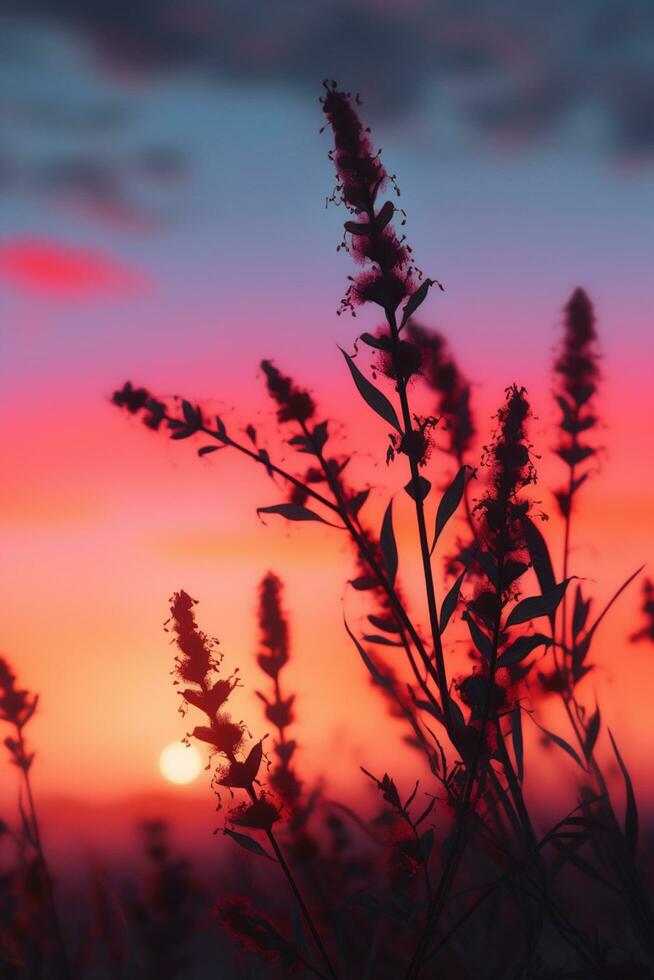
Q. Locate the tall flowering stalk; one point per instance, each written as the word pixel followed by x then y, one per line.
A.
pixel 389 277
pixel 272 658
pixel 17 708
pixel 197 663
pixel 577 372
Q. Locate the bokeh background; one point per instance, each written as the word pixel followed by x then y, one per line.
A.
pixel 163 184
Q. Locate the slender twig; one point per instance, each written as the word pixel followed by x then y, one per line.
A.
pixel 301 904
pixel 62 954
pixel 295 888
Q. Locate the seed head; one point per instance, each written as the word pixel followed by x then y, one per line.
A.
pixel 135 400
pixel 511 469
pixel 295 405
pixel 443 376
pixel 388 274
pixel 577 363
pixel 16 705
pixel 196 659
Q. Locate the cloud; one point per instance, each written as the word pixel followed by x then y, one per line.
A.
pixel 510 70
pixel 52 269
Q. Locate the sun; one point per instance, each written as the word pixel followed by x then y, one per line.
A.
pixel 180 764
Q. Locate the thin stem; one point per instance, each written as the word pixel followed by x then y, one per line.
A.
pixel 297 893
pixel 458 847
pixel 422 527
pixel 567 649
pixel 301 903
pixel 63 966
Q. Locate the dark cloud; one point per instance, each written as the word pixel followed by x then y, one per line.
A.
pixel 108 190
pixel 511 70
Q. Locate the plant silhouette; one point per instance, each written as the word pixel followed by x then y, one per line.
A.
pixel 452 873
pixel 472 886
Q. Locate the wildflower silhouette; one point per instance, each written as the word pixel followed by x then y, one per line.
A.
pixel 17 708
pixel 197 663
pixel 474 824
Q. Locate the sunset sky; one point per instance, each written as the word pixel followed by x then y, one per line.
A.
pixel 192 240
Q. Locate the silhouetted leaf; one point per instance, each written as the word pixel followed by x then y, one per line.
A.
pixel 292 512
pixel 379 343
pixel 386 625
pixel 573 455
pixel 384 215
pixel 386 787
pixel 449 503
pixel 425 813
pixel 579 482
pixel 412 795
pixel 221 431
pixel 613 598
pixel 538 605
pixel 521 648
pixel 383 640
pixel 193 416
pixel 372 670
pixel 432 709
pixel 358 227
pixel 479 638
pixel 580 612
pixel 631 811
pixel 518 746
pixel 561 742
pixel 591 733
pixel 181 431
pixel 356 502
pixel 416 299
pixel 320 435
pixel 540 557
pixel 247 843
pixel 265 459
pixel 456 716
pixel 450 601
pixel 205 450
pixel 377 401
pixel 424 486
pixel 388 545
pixel 364 583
